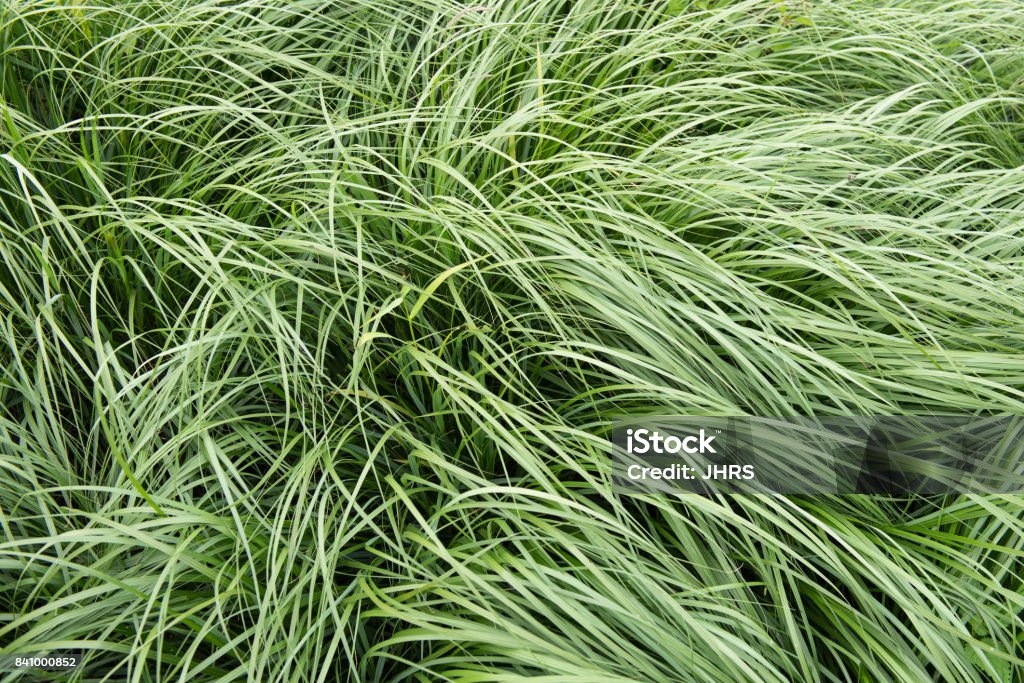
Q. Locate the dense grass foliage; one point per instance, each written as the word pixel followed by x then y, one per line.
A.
pixel 315 314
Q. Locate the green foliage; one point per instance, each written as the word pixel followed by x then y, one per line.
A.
pixel 315 315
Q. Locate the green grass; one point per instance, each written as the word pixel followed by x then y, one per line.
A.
pixel 315 316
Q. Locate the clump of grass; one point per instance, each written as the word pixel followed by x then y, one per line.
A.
pixel 315 315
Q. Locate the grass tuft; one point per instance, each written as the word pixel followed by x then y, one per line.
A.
pixel 315 316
